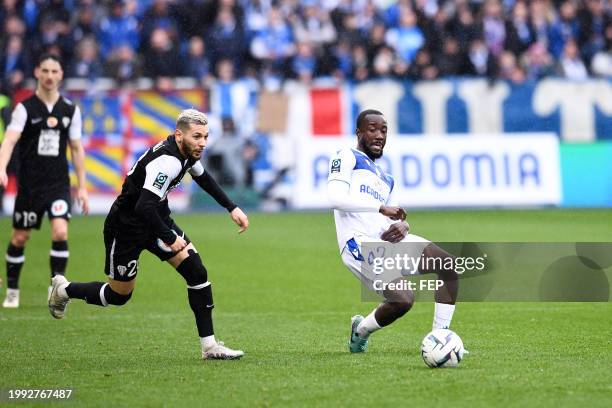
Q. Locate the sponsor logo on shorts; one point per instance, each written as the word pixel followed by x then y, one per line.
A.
pixel 131 268
pixel 353 247
pixel 52 121
pixel 121 269
pixel 160 180
pixel 335 166
pixel 59 207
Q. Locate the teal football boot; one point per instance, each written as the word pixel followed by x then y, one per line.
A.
pixel 357 344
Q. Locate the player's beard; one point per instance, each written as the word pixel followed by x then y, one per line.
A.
pixel 372 155
pixel 187 150
pixel 193 152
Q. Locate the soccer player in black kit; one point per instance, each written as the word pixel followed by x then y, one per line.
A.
pixel 140 219
pixel 42 126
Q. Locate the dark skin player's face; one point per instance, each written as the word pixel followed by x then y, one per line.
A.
pixel 372 136
pixel 192 141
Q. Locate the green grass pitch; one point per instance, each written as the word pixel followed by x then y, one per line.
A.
pixel 283 295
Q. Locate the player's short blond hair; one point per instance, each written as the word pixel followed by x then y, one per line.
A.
pixel 190 116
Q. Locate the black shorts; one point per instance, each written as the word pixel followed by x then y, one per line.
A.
pixel 123 250
pixel 30 208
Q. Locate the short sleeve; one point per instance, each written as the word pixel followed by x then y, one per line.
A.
pixel 75 130
pixel 160 173
pixel 197 169
pixel 341 166
pixel 18 119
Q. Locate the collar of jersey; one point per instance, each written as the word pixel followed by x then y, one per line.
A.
pixel 362 153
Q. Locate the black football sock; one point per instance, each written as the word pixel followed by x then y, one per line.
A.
pixel 14 262
pixel 202 305
pixel 199 292
pixel 89 292
pixel 58 257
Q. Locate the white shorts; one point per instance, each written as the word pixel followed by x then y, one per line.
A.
pixel 362 269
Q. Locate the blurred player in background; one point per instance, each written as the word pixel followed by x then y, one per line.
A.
pixel 42 126
pixel 361 194
pixel 140 219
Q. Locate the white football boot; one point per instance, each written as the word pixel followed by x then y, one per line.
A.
pixel 220 352
pixel 12 299
pixel 57 302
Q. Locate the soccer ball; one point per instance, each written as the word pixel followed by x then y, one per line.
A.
pixel 442 348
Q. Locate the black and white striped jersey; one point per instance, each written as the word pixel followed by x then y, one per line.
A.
pixel 159 170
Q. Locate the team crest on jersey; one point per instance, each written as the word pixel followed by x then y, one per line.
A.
pixel 66 121
pixel 160 180
pixel 335 166
pixel 59 207
pixel 52 121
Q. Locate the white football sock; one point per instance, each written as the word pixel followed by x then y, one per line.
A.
pixel 207 342
pixel 368 326
pixel 443 314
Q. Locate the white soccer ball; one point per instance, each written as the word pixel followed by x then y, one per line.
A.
pixel 442 348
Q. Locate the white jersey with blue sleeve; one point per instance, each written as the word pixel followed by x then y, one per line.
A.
pixel 357 188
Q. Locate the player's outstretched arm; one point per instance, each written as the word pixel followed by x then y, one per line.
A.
pixel 6 150
pixel 208 184
pixel 78 160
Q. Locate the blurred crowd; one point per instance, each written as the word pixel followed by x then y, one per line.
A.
pixel 518 40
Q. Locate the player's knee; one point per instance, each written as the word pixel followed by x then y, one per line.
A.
pixel 401 308
pixel 114 298
pixel 448 273
pixel 192 270
pixel 59 233
pixel 20 238
pixel 402 302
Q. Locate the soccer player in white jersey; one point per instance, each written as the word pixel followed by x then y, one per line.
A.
pixel 361 194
